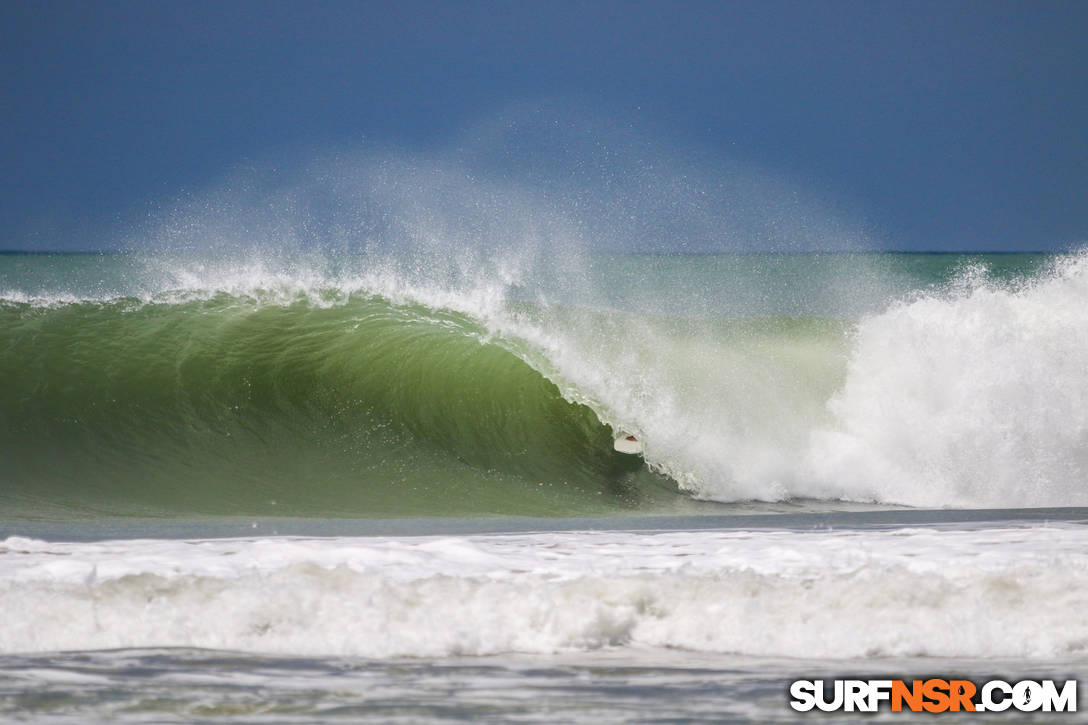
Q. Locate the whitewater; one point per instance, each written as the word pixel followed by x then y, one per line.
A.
pixel 309 487
pixel 781 593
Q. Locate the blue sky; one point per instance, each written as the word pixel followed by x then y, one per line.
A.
pixel 946 125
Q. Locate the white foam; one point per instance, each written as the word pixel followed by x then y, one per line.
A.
pixel 978 398
pixel 973 396
pixel 1016 592
pixel 21 297
pixel 264 280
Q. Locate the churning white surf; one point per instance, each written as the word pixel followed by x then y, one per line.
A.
pixel 977 397
pixel 815 594
pixel 973 394
pixel 745 377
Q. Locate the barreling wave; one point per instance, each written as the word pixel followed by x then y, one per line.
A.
pixel 222 389
pixel 229 404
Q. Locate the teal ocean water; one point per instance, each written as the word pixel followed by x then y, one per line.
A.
pixel 273 487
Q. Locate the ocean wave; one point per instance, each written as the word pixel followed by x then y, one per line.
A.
pixel 232 404
pixel 367 388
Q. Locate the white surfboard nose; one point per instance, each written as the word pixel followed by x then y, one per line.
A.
pixel 626 443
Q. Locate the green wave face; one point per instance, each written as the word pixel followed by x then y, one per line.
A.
pixel 228 406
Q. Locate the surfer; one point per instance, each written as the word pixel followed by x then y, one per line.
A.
pixel 627 443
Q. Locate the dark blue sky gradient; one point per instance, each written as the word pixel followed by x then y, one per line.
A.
pixel 953 125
